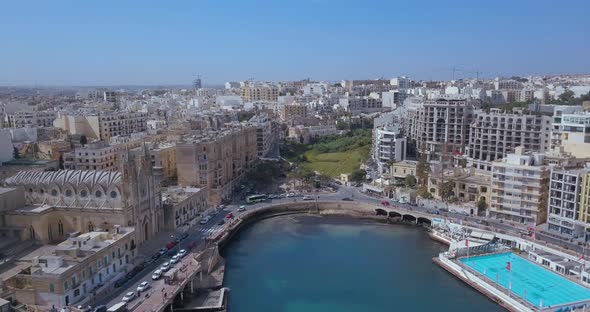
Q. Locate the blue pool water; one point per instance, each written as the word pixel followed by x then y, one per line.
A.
pixel 529 281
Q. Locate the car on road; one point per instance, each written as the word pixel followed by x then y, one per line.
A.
pixel 156 256
pixel 121 281
pixel 143 286
pixel 242 208
pixel 163 251
pixel 165 267
pixel 157 274
pixel 229 215
pixel 170 245
pixel 119 307
pixel 347 199
pixel 129 296
pixel 291 194
pixel 443 209
pixel 100 308
pixel 307 198
pixel 175 259
pixel 205 220
pixel 385 203
pixel 182 253
pixel 221 222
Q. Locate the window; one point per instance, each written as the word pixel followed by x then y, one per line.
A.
pixel 68 193
pixel 83 193
pixel 66 285
pixel 98 194
pixel 76 292
pixel 51 287
pixel 53 192
pixel 113 194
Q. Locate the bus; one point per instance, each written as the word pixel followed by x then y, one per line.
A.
pixel 256 198
pixel 119 307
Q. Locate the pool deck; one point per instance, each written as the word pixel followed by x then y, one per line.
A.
pixel 494 294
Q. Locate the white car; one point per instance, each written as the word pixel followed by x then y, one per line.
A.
pixel 182 253
pixel 175 259
pixel 157 274
pixel 165 267
pixel 129 296
pixel 307 198
pixel 291 194
pixel 242 208
pixel 205 220
pixel 143 286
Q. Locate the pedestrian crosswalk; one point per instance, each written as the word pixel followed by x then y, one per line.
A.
pixel 210 232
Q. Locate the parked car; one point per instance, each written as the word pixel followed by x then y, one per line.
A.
pixel 221 222
pixel 182 253
pixel 163 251
pixel 129 296
pixel 165 266
pixel 156 256
pixel 143 286
pixel 101 308
pixel 291 194
pixel 205 220
pixel 170 245
pixel 347 199
pixel 157 274
pixel 242 208
pixel 121 281
pixel 229 215
pixel 385 203
pixel 174 259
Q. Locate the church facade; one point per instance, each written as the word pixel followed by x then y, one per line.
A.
pixel 61 202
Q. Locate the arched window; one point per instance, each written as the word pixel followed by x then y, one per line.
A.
pixel 90 227
pixel 60 228
pixel 98 194
pixel 113 194
pixel 83 193
pixel 68 193
pixel 31 232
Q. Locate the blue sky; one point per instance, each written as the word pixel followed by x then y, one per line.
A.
pixel 168 42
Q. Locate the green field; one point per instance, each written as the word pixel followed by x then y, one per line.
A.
pixel 333 164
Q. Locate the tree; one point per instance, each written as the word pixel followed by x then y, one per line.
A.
pixel 358 175
pixel 567 96
pixel 481 204
pixel 423 168
pixel 410 181
pixel 424 193
pixel 447 190
pixel 463 162
pixel 83 140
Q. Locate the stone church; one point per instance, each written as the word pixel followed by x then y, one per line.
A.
pixel 61 202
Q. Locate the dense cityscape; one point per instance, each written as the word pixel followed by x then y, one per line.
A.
pixel 282 156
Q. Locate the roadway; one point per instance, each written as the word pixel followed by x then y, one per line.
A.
pixel 200 232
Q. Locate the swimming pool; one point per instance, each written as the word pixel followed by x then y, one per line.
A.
pixel 537 285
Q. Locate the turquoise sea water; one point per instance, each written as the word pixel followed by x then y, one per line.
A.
pixel 308 263
pixel 528 280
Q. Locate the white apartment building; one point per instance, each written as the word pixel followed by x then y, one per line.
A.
pixel 388 145
pixel 30 119
pixel 493 135
pixel 572 131
pixel 93 156
pixel 564 201
pixel 519 185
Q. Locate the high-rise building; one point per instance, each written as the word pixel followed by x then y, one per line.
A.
pixel 519 188
pixel 584 204
pixel 493 135
pixel 389 145
pixel 216 160
pixel 255 91
pixel 440 127
pixel 197 83
pixel 564 201
pixel 572 132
